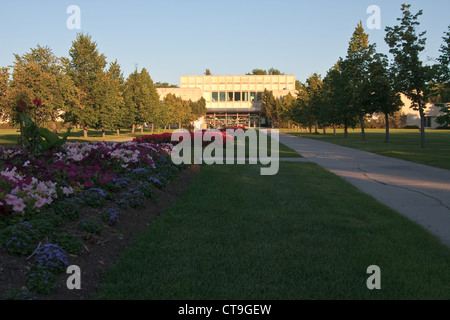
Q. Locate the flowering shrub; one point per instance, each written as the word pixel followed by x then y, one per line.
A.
pixel 134 198
pixel 118 184
pixel 156 182
pixel 111 216
pixel 19 239
pixel 166 138
pixel 94 197
pixel 51 257
pixel 41 280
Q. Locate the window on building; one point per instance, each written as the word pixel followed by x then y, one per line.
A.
pixel 215 96
pixel 230 96
pixel 252 96
pixel 259 96
pixel 237 96
pixel 222 96
pixel 244 96
pixel 428 122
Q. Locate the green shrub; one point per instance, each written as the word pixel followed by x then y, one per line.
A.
pixel 90 226
pixel 69 242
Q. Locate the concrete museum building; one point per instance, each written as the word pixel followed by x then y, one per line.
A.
pixel 232 100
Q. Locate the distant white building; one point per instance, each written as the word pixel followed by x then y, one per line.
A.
pixel 413 117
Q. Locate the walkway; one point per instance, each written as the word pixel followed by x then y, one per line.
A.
pixel 419 192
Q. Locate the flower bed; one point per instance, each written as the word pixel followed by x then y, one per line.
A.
pixel 167 137
pixel 40 194
pixel 29 183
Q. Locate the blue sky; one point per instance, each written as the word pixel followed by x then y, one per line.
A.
pixel 179 37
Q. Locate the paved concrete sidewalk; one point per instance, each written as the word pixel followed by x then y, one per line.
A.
pixel 420 192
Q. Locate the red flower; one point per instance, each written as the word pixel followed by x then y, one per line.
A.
pixel 88 184
pixel 37 102
pixel 21 106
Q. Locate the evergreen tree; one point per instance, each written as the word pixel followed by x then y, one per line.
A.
pixel 109 100
pixel 287 105
pixel 86 69
pixel 151 99
pixel 270 107
pixel 175 109
pixel 356 67
pixel 122 118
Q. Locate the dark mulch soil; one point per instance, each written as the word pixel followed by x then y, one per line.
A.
pixel 99 251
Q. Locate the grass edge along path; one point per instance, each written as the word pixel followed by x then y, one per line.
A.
pixel 301 234
pixel 403 144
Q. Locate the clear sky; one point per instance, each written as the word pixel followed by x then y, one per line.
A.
pixel 184 37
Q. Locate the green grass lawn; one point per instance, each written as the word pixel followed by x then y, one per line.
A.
pixel 403 144
pixel 301 234
pixel 10 136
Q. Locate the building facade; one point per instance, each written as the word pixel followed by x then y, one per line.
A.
pixel 232 100
pixel 431 112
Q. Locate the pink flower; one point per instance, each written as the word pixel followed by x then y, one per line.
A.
pixel 88 184
pixel 40 203
pixel 17 203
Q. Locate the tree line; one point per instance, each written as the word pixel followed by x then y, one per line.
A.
pixel 84 90
pixel 366 82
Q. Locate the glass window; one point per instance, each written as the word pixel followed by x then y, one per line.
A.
pixel 222 96
pixel 230 96
pixel 252 96
pixel 215 96
pixel 237 96
pixel 259 96
pixel 244 96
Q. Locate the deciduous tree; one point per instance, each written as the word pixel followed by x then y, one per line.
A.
pixel 412 77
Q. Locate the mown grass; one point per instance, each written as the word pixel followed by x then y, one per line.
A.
pixel 301 234
pixel 10 136
pixel 404 144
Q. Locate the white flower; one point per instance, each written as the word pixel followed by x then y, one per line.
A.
pixel 67 190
